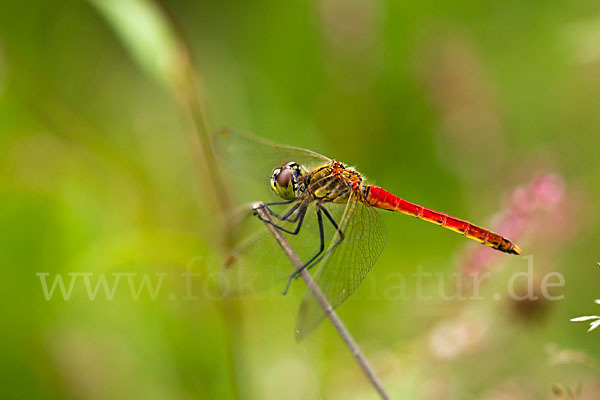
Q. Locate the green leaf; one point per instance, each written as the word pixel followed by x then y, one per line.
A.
pixel 146 33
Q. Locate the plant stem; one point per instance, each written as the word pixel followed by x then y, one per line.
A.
pixel 323 302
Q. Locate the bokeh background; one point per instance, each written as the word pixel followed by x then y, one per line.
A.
pixel 486 110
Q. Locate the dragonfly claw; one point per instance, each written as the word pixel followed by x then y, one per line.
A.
pixel 295 275
pixel 287 287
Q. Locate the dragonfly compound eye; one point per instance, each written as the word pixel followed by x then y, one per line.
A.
pixel 284 181
pixel 284 177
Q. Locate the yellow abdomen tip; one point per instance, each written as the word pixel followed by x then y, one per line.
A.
pixel 515 249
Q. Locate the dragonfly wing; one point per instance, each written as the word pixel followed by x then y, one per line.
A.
pixel 254 265
pixel 256 157
pixel 346 267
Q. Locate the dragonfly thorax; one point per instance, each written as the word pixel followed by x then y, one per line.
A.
pixel 334 182
pixel 286 181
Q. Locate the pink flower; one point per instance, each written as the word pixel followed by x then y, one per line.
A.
pixel 530 207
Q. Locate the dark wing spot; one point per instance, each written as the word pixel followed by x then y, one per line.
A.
pixel 230 261
pixel 224 133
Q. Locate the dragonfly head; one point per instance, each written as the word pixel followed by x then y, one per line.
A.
pixel 285 181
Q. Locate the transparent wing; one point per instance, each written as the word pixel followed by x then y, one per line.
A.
pixel 256 157
pixel 345 268
pixel 258 262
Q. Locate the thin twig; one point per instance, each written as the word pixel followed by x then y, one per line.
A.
pixel 323 302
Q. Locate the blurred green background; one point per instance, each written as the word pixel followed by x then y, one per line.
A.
pixel 486 110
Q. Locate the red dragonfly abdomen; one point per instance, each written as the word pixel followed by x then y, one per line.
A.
pixel 381 198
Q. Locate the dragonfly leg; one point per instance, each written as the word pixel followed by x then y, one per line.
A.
pixel 296 274
pixel 298 220
pixel 288 214
pixel 316 260
pixel 319 256
pixel 285 217
pixel 275 203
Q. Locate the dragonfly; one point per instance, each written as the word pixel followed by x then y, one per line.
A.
pixel 327 210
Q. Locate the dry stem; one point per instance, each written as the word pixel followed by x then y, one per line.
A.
pixel 323 302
